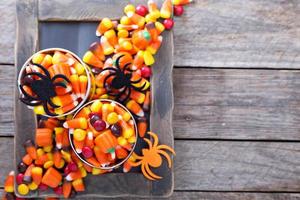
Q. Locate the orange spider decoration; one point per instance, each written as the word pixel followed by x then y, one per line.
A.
pixel 151 157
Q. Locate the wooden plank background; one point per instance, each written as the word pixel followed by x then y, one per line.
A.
pixel 236 98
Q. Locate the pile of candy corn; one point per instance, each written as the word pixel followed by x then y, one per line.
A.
pixel 49 162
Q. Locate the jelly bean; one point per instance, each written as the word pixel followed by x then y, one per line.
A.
pixel 132 139
pixel 146 72
pixel 178 10
pixel 79 134
pixel 48 164
pixel 87 152
pixel 141 10
pixel 96 106
pixel 129 8
pixel 99 125
pixel 23 189
pixel 43 187
pixel 122 141
pixel 123 33
pixel 72 167
pixel 94 117
pixel 22 167
pixel 27 80
pixel 112 118
pixel 116 130
pixel 58 190
pixel 19 178
pixel 33 186
pixel 168 23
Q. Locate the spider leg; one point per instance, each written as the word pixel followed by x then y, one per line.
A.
pixel 155 138
pixel 151 173
pixel 52 104
pixel 105 79
pixel 145 173
pixel 127 95
pixel 118 61
pixel 47 110
pixel 115 94
pixel 166 147
pixel 137 156
pixel 109 68
pixel 37 74
pixel 30 103
pixel 26 94
pixel 135 164
pixel 61 84
pixel 140 89
pixel 166 156
pixel 43 68
pixel 60 76
pixel 126 68
pixel 148 142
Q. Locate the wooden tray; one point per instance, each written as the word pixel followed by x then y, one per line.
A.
pixel 71 24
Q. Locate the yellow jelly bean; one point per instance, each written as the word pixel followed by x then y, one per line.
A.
pixel 48 164
pixel 126 116
pixel 23 189
pixel 150 18
pixel 122 141
pixel 79 134
pixel 96 106
pixel 48 148
pixel 40 152
pixel 126 45
pixel 125 20
pixel 132 139
pixel 61 164
pixel 129 8
pixel 50 156
pixel 33 186
pixel 128 133
pixel 112 118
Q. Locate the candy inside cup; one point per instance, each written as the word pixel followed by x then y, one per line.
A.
pixel 78 101
pixel 107 129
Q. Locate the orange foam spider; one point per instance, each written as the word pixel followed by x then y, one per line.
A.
pixel 151 157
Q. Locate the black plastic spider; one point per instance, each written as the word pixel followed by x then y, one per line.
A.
pixel 43 88
pixel 121 83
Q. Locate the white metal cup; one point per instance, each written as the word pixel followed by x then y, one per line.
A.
pixel 50 51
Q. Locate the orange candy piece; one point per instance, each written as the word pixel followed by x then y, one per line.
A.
pixel 52 178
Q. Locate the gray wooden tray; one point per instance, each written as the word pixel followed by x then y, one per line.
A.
pixel 71 24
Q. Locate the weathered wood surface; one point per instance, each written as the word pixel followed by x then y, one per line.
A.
pixel 214 196
pixel 237 104
pixel 8 31
pixel 256 34
pixel 222 166
pixel 7 74
pixel 6 157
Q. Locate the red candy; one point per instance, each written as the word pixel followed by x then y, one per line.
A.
pixel 141 10
pixel 19 178
pixel 43 187
pixel 146 72
pixel 178 10
pixel 58 190
pixel 99 125
pixel 72 167
pixel 87 152
pixel 168 23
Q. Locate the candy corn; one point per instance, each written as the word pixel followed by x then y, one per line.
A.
pixel 9 182
pixel 166 9
pixel 104 26
pixel 106 46
pixel 67 188
pixel 43 137
pixel 78 185
pixel 97 50
pixel 91 59
pixel 76 123
pixel 37 173
pixel 30 149
pixel 52 178
pixel 135 108
pixel 181 2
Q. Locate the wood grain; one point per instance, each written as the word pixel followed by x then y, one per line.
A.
pixel 221 166
pixel 7 157
pixel 256 34
pixel 8 31
pixel 237 104
pixel 7 74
